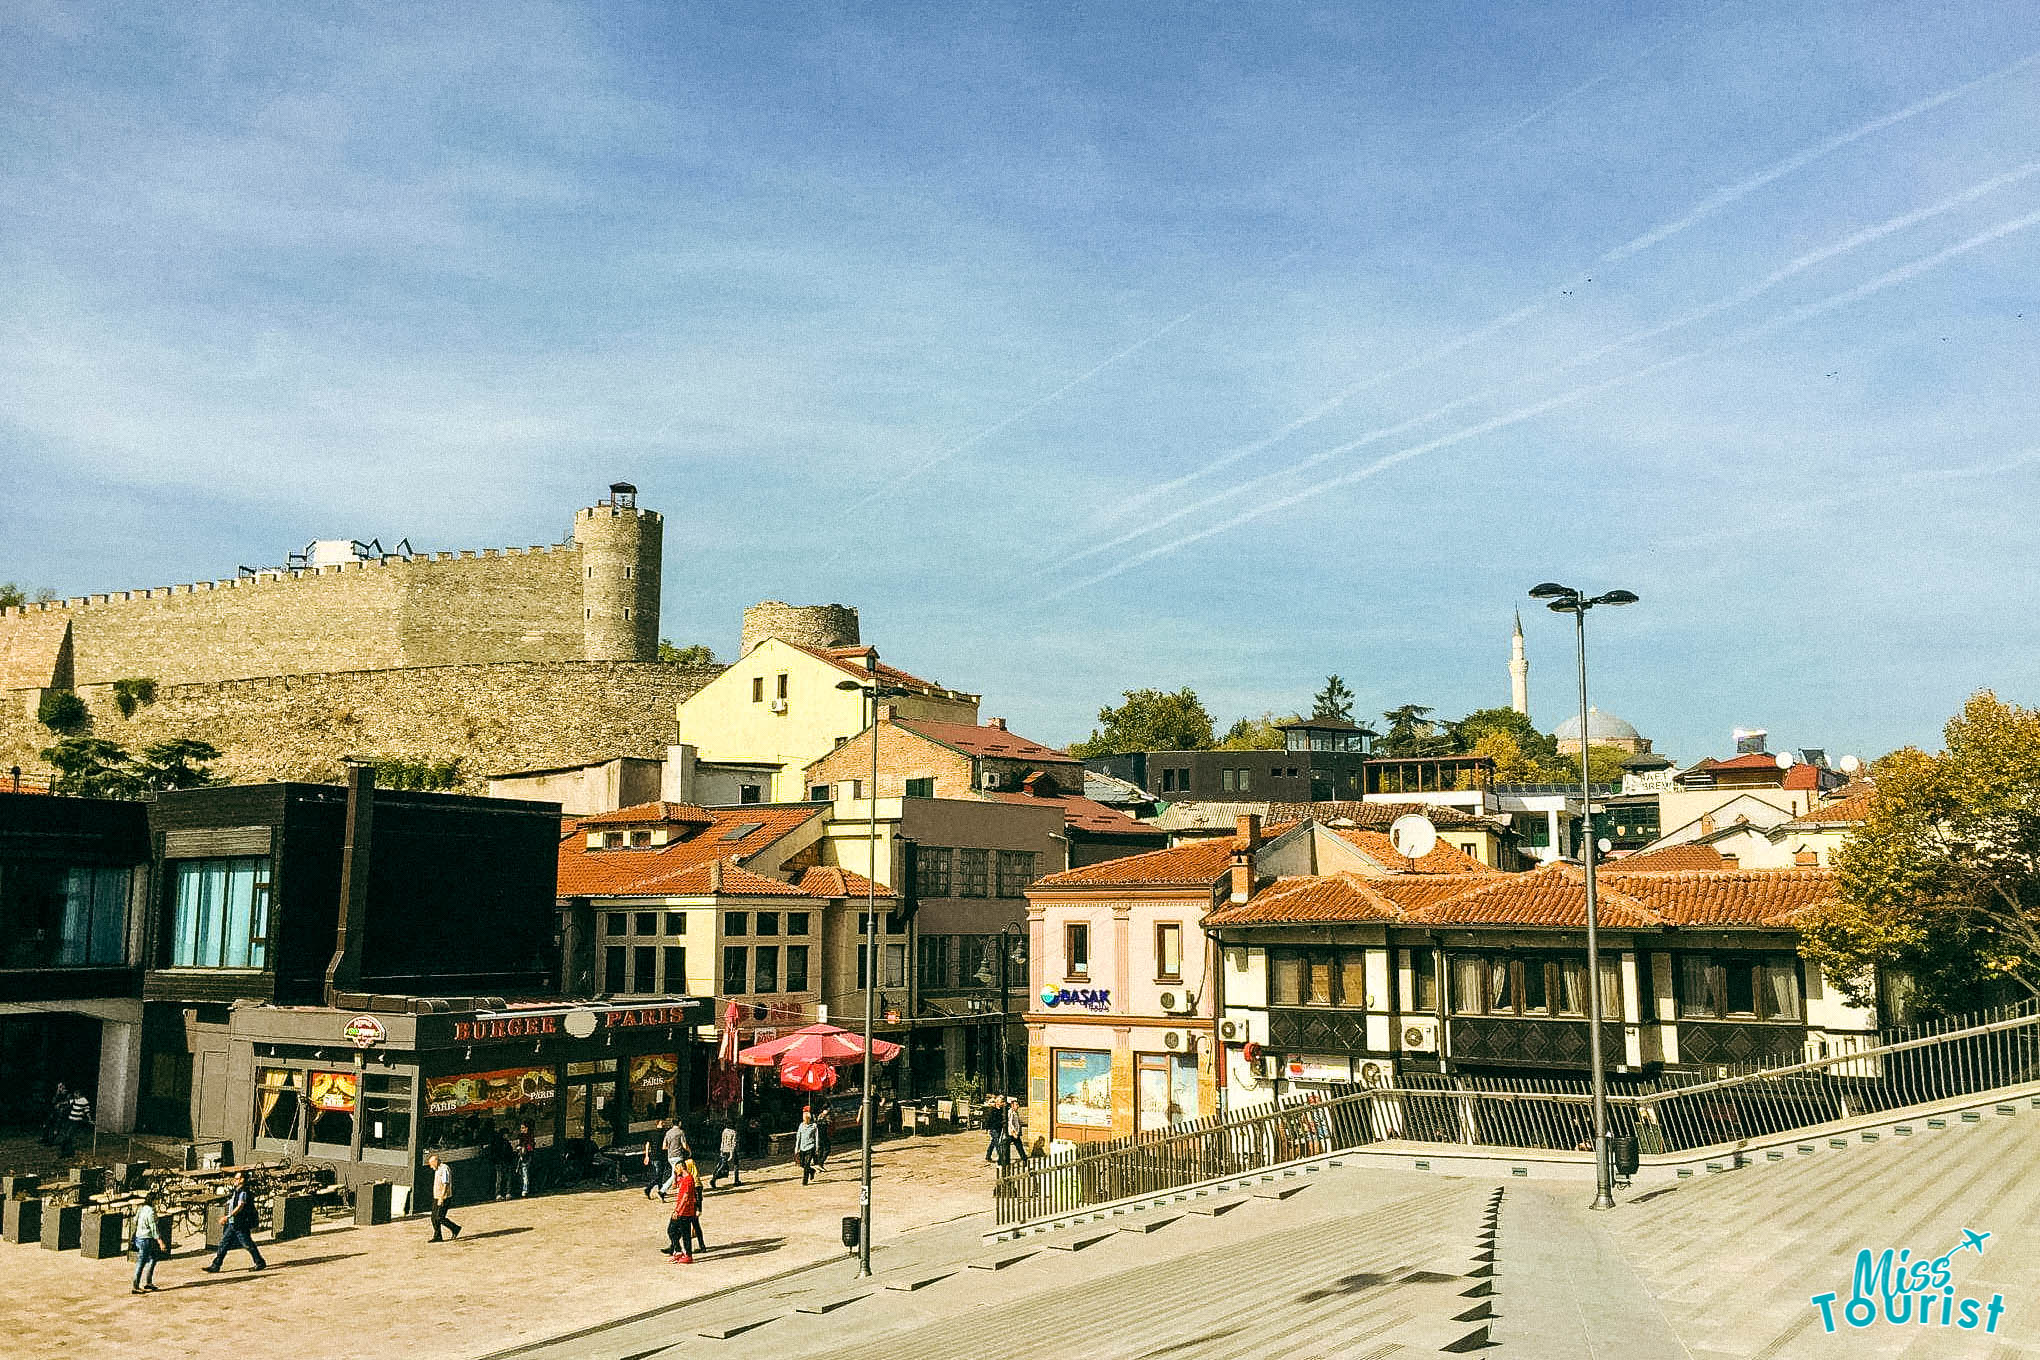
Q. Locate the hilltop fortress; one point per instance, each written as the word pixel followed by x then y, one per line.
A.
pixel 509 658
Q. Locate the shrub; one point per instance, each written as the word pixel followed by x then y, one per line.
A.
pixel 62 711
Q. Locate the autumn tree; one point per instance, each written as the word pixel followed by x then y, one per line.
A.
pixel 1149 720
pixel 1257 734
pixel 1941 883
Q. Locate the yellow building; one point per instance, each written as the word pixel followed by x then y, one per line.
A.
pixel 779 706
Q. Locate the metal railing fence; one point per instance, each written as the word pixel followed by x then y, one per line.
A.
pixel 1672 1112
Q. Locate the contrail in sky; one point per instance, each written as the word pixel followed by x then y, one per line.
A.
pixel 1656 235
pixel 1790 317
pixel 1749 293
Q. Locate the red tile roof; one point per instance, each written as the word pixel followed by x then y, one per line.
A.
pixel 1195 863
pixel 1084 814
pixel 1849 811
pixel 626 871
pixel 1328 897
pixel 651 814
pixel 1682 856
pixel 1555 895
pixel 1378 815
pixel 1443 859
pixel 852 661
pixel 732 880
pixel 984 741
pixel 1745 897
pixel 829 881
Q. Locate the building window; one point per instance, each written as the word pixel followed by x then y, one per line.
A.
pixel 1225 780
pixel 796 968
pixel 931 871
pixel 933 970
pixel 1016 871
pixel 648 923
pixel 735 969
pixel 1318 977
pixel 757 689
pixel 386 1111
pixel 765 968
pixel 974 872
pixel 895 965
pixel 614 923
pixel 1530 984
pixel 613 961
pixel 55 917
pixel 1424 979
pixel 920 788
pixel 1739 987
pixel 279 1103
pixel 818 793
pixel 797 923
pixel 1077 950
pixel 782 684
pixel 749 793
pixel 1246 781
pixel 644 960
pixel 1169 951
pixel 674 983
pixel 736 923
pixel 676 923
pixel 612 840
pixel 768 923
pixel 640 839
pixel 222 914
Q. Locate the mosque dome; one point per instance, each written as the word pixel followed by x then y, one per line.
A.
pixel 1603 729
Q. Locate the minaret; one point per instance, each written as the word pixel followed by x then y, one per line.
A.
pixel 1519 671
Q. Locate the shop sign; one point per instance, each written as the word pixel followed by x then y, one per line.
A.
pixel 334 1091
pixel 579 1024
pixel 364 1031
pixel 654 1071
pixel 1083 1089
pixel 1306 1068
pixel 648 1015
pixel 1090 998
pixel 488 1090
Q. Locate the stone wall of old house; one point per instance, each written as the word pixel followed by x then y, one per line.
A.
pixel 506 715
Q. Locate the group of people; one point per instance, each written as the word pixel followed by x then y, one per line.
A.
pixel 1002 1123
pixel 68 1120
pixel 672 1174
pixel 239 1219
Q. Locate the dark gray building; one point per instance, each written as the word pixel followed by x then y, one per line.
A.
pixel 1322 760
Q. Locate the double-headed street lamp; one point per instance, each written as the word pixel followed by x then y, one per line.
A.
pixel 873 692
pixel 1565 600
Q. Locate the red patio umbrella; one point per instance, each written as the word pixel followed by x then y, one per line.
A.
pixel 829 1044
pixel 807 1076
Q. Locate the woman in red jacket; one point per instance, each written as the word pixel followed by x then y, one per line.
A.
pixel 683 1226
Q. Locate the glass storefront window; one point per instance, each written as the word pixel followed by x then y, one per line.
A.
pixel 386 1111
pixel 461 1110
pixel 279 1095
pixel 332 1105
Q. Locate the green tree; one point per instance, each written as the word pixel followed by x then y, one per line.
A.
pixel 179 763
pixel 90 767
pixel 13 596
pixel 1604 766
pixel 1413 732
pixel 62 712
pixel 693 654
pixel 1149 720
pixel 1941 883
pixel 1333 701
pixel 1257 734
pixel 130 694
pixel 425 775
pixel 1535 752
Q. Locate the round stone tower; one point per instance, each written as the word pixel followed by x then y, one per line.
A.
pixel 621 546
pixel 804 625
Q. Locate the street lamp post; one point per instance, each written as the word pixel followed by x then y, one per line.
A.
pixel 873 693
pixel 1565 600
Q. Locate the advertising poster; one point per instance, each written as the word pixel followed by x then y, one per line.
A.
pixel 1083 1089
pixel 333 1091
pixel 488 1090
pixel 654 1071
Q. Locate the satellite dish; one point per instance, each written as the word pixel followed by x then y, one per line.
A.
pixel 1604 845
pixel 1851 764
pixel 1413 835
pixel 1786 760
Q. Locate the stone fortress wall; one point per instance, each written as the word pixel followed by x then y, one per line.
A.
pixel 804 625
pixel 505 659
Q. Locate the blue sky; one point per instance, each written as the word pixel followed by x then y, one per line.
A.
pixel 1082 348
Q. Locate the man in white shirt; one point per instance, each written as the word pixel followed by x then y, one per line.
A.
pixel 728 1166
pixel 442 1197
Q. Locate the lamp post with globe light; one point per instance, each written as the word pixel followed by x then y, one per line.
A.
pixel 1565 600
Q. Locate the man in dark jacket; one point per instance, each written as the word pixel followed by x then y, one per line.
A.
pixel 237 1225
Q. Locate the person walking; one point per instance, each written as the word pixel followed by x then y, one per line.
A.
pixel 527 1148
pixel 502 1164
pixel 149 1246
pixel 821 1140
pixel 657 1165
pixel 995 1127
pixel 442 1197
pixel 53 1118
pixel 678 1150
pixel 806 1140
pixel 693 1174
pixel 684 1225
pixel 729 1164
pixel 77 1121
pixel 1014 1132
pixel 237 1226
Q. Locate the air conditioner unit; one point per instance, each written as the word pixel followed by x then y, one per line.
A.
pixel 778 705
pixel 1376 1074
pixel 1179 1040
pixel 1420 1036
pixel 1178 1003
pixel 1268 1067
pixel 990 780
pixel 1233 1031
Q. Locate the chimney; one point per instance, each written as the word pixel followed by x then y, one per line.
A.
pixel 999 723
pixel 343 971
pixel 887 712
pixel 715 875
pixel 1245 843
pixel 1732 861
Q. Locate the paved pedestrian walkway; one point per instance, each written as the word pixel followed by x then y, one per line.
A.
pixel 521 1271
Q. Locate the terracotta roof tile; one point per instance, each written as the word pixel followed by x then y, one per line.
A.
pixel 1744 897
pixel 1849 811
pixel 1195 863
pixel 699 880
pixel 1555 895
pixel 851 661
pixel 1443 859
pixel 1329 897
pixel 651 814
pixel 631 871
pixel 1685 855
pixel 830 881
pixel 1377 816
pixel 984 740
pixel 1084 814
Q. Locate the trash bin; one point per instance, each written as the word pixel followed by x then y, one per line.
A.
pixel 1622 1152
pixel 851 1224
pixel 21 1220
pixel 61 1227
pixel 372 1204
pixel 290 1216
pixel 103 1235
